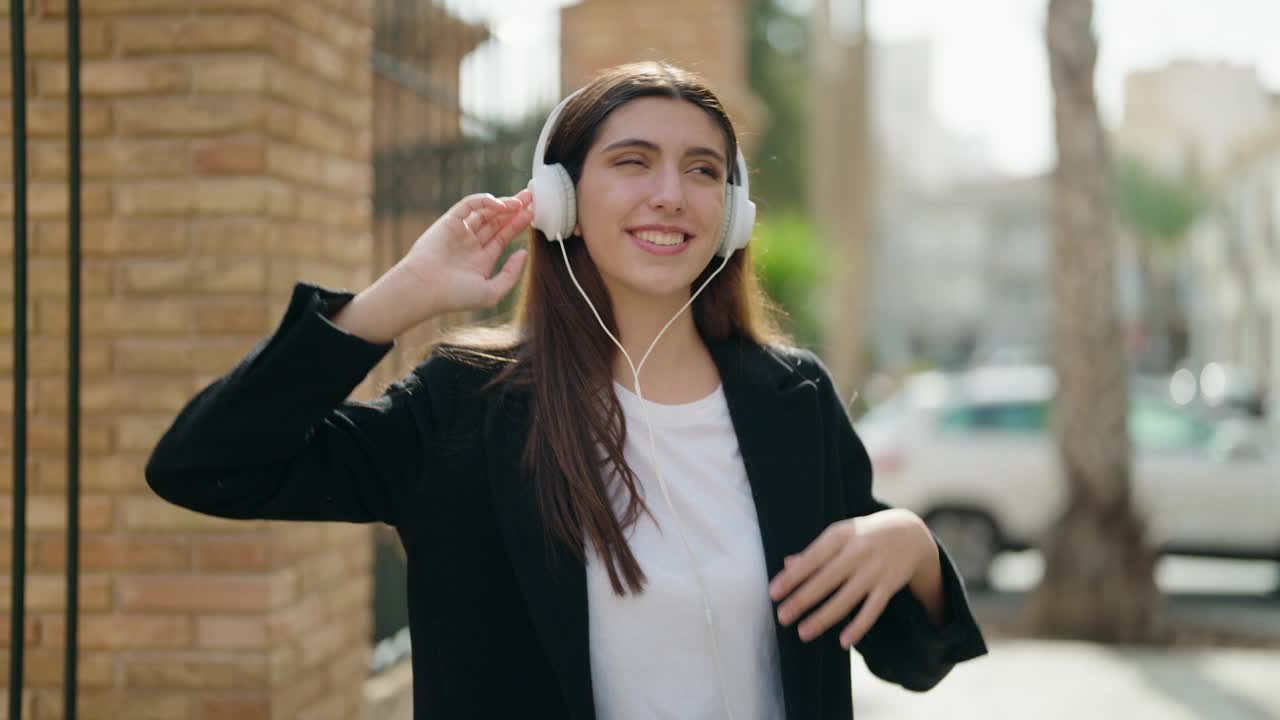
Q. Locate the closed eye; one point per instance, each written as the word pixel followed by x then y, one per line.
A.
pixel 707 170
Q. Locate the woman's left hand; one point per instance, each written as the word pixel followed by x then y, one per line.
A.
pixel 869 557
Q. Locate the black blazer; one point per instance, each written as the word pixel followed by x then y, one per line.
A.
pixel 498 615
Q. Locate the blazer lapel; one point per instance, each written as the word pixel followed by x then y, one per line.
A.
pixel 553 582
pixel 775 414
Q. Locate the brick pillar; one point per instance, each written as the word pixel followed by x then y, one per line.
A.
pixel 226 155
pixel 710 39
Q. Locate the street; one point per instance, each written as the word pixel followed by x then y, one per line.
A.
pixel 1235 596
pixel 1059 680
pixel 1047 680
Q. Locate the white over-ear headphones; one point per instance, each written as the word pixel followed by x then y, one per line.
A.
pixel 556 205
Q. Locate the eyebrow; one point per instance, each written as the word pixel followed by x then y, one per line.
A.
pixel 647 145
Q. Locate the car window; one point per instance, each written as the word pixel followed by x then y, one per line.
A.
pixel 1026 417
pixel 1156 426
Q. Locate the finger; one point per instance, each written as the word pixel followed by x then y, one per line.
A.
pixel 818 585
pixel 836 608
pixel 525 197
pixel 486 223
pixel 865 618
pixel 481 223
pixel 516 224
pixel 471 203
pixel 501 284
pixel 474 221
pixel 799 567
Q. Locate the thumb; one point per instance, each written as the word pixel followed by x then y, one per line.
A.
pixel 499 285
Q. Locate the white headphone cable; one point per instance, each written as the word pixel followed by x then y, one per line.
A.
pixel 653 449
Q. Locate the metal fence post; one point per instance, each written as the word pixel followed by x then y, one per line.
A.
pixel 73 359
pixel 17 612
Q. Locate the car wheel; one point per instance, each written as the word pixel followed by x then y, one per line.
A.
pixel 970 540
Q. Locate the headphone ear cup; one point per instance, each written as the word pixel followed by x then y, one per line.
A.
pixel 555 206
pixel 739 221
pixel 746 220
pixel 726 227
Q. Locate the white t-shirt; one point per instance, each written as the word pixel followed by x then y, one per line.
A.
pixel 651 654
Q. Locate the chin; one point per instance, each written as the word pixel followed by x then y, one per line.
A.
pixel 669 278
pixel 665 284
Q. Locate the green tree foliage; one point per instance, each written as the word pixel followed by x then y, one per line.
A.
pixel 1159 210
pixel 788 261
pixel 786 248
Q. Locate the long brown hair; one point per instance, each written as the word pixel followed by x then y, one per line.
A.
pixel 558 353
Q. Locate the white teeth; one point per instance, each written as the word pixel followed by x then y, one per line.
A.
pixel 660 238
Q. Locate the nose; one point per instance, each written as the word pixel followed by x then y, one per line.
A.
pixel 668 191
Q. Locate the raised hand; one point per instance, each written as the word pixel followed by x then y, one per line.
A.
pixel 448 269
pixel 453 260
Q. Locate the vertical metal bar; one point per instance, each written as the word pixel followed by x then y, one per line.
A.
pixel 73 359
pixel 17 612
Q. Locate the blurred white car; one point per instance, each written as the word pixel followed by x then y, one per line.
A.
pixel 972 453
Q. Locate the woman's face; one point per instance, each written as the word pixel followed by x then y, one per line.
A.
pixel 651 197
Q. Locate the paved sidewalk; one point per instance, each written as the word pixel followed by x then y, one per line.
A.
pixel 1051 680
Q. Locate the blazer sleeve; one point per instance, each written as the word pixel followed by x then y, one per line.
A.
pixel 275 438
pixel 903 646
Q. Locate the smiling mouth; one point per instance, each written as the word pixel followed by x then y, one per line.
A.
pixel 662 239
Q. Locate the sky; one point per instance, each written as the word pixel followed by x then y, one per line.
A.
pixel 990 71
pixel 519 69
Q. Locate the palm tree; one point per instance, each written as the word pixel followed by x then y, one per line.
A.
pixel 1098 580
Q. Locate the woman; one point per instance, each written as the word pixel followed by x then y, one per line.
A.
pixel 719 563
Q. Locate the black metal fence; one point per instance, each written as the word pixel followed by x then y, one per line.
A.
pixel 447 122
pixel 17 614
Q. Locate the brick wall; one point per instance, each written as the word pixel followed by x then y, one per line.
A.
pixel 226 154
pixel 708 37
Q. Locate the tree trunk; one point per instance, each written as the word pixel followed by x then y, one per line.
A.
pixel 1098 580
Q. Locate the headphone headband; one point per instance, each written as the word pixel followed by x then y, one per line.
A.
pixel 540 150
